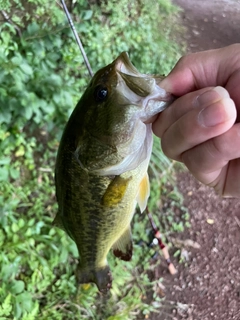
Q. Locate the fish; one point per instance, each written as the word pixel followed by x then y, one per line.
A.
pixel 102 163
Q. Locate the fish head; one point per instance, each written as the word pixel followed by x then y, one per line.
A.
pixel 117 105
pixel 117 96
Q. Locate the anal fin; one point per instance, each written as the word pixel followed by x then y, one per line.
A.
pixel 143 192
pixel 122 248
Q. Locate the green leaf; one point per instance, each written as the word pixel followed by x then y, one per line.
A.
pixel 5 272
pixel 27 112
pixel 25 299
pixel 4 174
pixel 5 160
pixel 6 307
pixel 5 5
pixel 87 14
pixel 33 28
pixel 14 173
pixel 17 60
pixel 20 151
pixel 54 80
pixel 17 287
pixel 17 310
pixel 14 227
pixel 26 68
pixel 5 115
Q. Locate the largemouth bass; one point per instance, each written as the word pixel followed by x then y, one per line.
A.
pixel 102 162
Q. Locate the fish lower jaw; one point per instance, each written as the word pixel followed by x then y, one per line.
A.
pixel 153 107
pixel 102 277
pixel 156 102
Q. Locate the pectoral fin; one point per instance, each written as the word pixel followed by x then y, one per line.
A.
pixel 122 248
pixel 115 191
pixel 143 192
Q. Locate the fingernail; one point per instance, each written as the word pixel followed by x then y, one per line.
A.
pixel 211 96
pixel 165 84
pixel 210 116
pixel 218 112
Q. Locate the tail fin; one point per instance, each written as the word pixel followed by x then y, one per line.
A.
pixel 102 277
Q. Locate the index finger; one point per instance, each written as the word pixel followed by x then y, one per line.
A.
pixel 219 67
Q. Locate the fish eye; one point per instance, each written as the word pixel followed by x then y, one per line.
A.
pixel 100 93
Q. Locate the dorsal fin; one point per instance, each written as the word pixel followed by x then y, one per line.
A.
pixel 143 193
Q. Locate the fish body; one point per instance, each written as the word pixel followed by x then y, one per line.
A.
pixel 102 162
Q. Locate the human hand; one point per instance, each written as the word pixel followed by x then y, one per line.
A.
pixel 201 128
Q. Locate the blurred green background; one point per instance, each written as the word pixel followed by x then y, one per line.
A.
pixel 42 76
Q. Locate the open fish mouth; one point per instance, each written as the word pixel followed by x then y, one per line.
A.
pixel 141 85
pixel 144 90
pixel 125 66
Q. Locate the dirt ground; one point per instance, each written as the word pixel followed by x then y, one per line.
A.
pixel 210 23
pixel 207 286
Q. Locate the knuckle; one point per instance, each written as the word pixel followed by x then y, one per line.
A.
pixel 185 60
pixel 168 149
pixel 186 133
pixel 182 60
pixel 216 147
pixel 165 147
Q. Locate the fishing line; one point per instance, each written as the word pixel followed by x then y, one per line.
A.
pixel 77 39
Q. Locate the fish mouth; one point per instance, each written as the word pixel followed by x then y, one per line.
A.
pixel 141 89
pixel 140 84
pixel 125 66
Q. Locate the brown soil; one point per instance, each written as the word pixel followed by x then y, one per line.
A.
pixel 210 23
pixel 207 285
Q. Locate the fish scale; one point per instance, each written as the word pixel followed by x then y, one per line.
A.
pixel 102 162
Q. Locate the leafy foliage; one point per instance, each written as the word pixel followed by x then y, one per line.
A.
pixel 41 78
